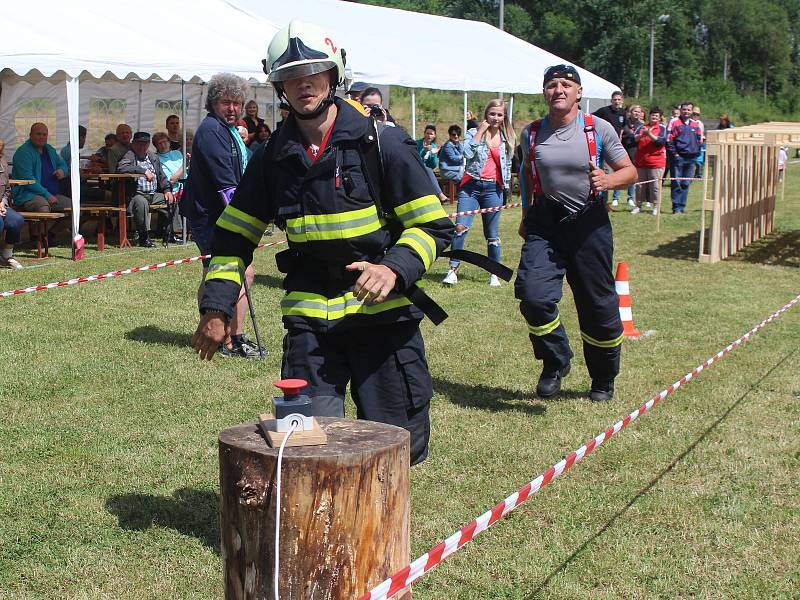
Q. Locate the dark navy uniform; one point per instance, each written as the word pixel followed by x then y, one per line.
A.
pixel 331 220
pixel 568 232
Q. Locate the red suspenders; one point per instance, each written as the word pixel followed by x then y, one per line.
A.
pixel 591 143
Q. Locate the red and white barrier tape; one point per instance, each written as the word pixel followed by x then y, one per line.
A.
pixel 670 179
pixel 481 211
pixel 406 576
pixel 112 274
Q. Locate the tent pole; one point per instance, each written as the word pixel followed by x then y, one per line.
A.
pixel 465 112
pixel 183 125
pixel 183 146
pixel 511 110
pixel 139 109
pixel 413 113
pixel 73 116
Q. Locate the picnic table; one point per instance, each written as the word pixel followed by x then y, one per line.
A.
pixel 118 179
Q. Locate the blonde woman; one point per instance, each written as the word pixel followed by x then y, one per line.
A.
pixel 487 149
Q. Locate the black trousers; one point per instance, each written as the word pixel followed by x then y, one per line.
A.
pixel 582 250
pixel 385 366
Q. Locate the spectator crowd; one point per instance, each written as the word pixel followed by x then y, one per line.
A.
pixel 659 145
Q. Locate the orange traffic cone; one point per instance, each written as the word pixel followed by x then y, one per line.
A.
pixel 624 293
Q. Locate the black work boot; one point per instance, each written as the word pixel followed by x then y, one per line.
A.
pixel 144 240
pixel 550 381
pixel 602 391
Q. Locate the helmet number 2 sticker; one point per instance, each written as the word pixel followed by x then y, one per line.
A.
pixel 330 43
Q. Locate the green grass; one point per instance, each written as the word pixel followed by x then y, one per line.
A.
pixel 109 471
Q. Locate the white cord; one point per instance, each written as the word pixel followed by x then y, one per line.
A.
pixel 278 507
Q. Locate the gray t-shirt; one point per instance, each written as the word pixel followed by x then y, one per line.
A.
pixel 562 158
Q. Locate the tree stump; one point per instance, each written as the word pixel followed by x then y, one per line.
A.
pixel 344 523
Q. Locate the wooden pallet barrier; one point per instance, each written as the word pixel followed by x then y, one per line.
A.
pixel 741 186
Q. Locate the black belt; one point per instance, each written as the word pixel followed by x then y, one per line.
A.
pixel 288 260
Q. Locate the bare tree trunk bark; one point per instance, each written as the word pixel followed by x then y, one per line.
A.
pixel 344 522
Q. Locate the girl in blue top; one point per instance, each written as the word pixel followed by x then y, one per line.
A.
pixel 427 148
pixel 487 150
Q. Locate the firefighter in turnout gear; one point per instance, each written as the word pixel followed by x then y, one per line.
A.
pixel 358 242
pixel 567 232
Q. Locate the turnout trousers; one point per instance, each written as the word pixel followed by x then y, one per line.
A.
pixel 582 250
pixel 385 366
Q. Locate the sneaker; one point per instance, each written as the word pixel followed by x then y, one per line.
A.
pixel 250 347
pixel 615 203
pixel 451 278
pixel 145 242
pixel 174 239
pixel 631 202
pixel 602 391
pixel 10 263
pixel 494 281
pixel 655 212
pixel 241 350
pixel 550 382
pixel 228 352
pixel 647 205
pixel 636 210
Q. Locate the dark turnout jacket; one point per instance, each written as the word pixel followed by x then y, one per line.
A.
pixel 216 167
pixel 331 219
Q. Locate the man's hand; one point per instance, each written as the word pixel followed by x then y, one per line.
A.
pixel 375 283
pixel 598 180
pixel 59 174
pixel 3 210
pixel 211 332
pixel 150 175
pixel 169 197
pixel 52 200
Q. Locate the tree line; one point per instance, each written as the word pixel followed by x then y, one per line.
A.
pixel 749 47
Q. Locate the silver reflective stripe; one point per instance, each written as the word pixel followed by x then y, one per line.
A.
pixel 425 243
pixel 227 216
pixel 312 227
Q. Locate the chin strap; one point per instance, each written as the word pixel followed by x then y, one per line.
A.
pixel 314 113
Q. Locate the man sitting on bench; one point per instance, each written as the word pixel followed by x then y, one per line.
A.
pixel 38 161
pixel 152 189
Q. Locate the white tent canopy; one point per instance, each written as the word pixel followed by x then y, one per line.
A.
pixel 90 46
pixel 398 47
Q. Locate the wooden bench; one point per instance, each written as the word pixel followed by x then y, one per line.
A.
pixel 100 213
pixel 38 225
pixel 450 189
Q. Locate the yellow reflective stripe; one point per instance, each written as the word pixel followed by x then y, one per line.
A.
pixel 422 243
pixel 240 222
pixel 422 210
pixel 540 330
pixel 336 226
pixel 305 304
pixel 226 267
pixel 606 344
